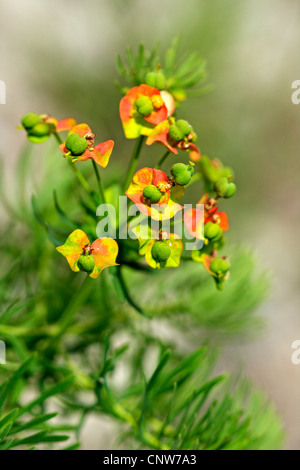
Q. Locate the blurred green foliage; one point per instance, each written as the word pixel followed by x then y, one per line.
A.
pixel 60 325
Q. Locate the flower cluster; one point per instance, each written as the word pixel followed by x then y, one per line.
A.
pixel 158 195
pixel 176 135
pixel 148 111
pixel 155 194
pixel 91 258
pixel 79 145
pixel 215 224
pixel 40 127
pixel 144 107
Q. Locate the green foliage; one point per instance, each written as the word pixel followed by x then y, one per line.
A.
pixel 183 76
pixel 229 313
pixel 26 425
pixel 180 407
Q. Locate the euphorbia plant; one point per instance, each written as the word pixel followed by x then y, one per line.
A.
pixel 148 109
pixel 63 338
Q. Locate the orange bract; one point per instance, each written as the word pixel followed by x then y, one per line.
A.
pixel 99 153
pixel 160 135
pixel 104 250
pixel 194 218
pixel 135 124
pixel 168 205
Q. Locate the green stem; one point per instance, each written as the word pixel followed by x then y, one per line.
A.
pixel 81 179
pixel 127 294
pixel 66 320
pixel 134 160
pixel 58 138
pixel 75 303
pixel 99 181
pixel 161 161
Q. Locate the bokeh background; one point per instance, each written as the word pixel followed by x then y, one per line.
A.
pixel 59 57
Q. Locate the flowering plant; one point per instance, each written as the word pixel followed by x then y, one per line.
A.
pixel 136 248
pixel 148 111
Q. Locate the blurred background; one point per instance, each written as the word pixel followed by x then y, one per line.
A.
pixel 58 57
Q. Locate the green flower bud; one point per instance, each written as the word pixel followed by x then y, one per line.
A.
pixel 86 263
pixel 30 120
pixel 76 145
pixel 155 251
pixel 220 266
pixel 156 79
pixel 39 130
pixel 212 231
pixel 230 190
pixel 144 105
pixel 221 186
pixel 176 133
pixel 182 173
pixel 184 178
pixel 161 251
pixel 184 126
pixel 160 81
pixel 152 193
pixel 150 79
